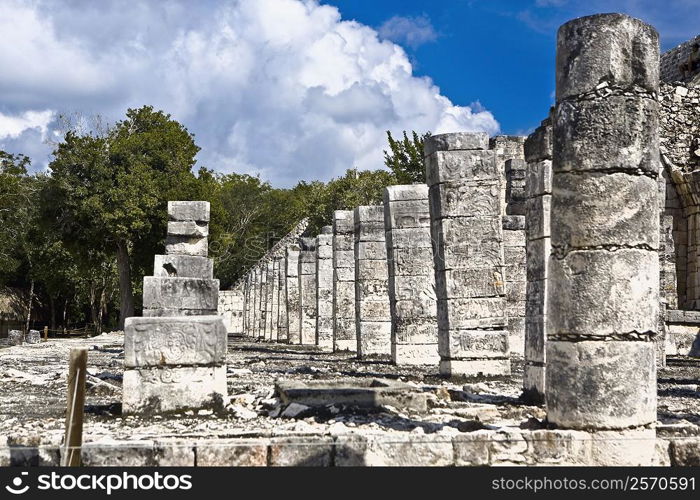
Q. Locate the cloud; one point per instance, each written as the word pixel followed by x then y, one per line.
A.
pixel 281 88
pixel 412 31
pixel 11 127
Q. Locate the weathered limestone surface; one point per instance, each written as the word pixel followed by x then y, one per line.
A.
pixel 174 356
pixel 307 290
pixel 603 293
pixel 282 316
pixel 274 297
pixel 466 227
pixel 174 341
pixel 372 310
pixel 344 331
pixel 15 337
pixel 189 295
pixel 32 337
pixel 293 299
pixel 538 205
pixel 231 308
pixel 324 288
pixel 412 294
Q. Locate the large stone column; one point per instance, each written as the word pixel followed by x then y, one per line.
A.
pixel 344 330
pixel 466 227
pixel 603 297
pixel 373 316
pixel 282 319
pixel 411 278
pixel 293 300
pixel 246 305
pixel 263 300
pixel 324 288
pixel 538 154
pixel 307 291
pixel 175 356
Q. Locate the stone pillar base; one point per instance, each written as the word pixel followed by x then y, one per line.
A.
pixel 415 354
pixel 474 367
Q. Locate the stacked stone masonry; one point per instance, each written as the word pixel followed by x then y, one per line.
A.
pixel 466 228
pixel 372 309
pixel 344 331
pixel 174 356
pixel 324 288
pixel 603 294
pixel 413 303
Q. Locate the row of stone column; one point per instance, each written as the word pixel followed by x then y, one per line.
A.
pixel 429 276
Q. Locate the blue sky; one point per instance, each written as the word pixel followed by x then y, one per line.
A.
pixel 501 52
pixel 291 90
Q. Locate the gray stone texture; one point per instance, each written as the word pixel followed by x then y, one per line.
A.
pixel 538 247
pixel 307 291
pixel 603 284
pixel 174 356
pixel 372 309
pixel 344 330
pixel 468 235
pixel 293 300
pixel 413 303
pixel 324 288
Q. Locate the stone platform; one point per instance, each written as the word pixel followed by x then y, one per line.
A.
pixel 481 423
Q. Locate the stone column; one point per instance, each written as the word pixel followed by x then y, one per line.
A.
pixel 255 323
pixel 174 356
pixel 324 288
pixel 372 310
pixel 274 298
pixel 514 252
pixel 282 321
pixel 262 318
pixel 246 304
pixel 538 153
pixel 466 228
pixel 307 291
pixel 412 298
pixel 603 295
pixel 293 300
pixel 344 330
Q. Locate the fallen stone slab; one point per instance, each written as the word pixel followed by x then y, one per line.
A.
pixel 368 393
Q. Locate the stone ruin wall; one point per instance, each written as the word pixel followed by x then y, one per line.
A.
pixel 672 59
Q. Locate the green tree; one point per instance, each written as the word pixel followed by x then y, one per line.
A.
pixel 405 157
pixel 110 191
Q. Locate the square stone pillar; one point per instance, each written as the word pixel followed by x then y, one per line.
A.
pixel 282 318
pixel 344 330
pixel 466 227
pixel 274 298
pixel 414 332
pixel 324 288
pixel 538 153
pixel 174 356
pixel 262 318
pixel 293 300
pixel 307 290
pixel 372 310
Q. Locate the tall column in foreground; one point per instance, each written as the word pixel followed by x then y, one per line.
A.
pixel 411 278
pixel 307 290
pixel 324 288
pixel 466 228
pixel 603 297
pixel 373 316
pixel 344 331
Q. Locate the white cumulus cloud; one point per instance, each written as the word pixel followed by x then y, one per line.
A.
pixel 281 88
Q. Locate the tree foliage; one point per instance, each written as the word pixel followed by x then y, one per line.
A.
pixel 405 157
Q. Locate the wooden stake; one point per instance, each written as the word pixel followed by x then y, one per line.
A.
pixel 73 440
pixel 46 333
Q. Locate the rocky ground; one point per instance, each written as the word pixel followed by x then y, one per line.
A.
pixel 33 388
